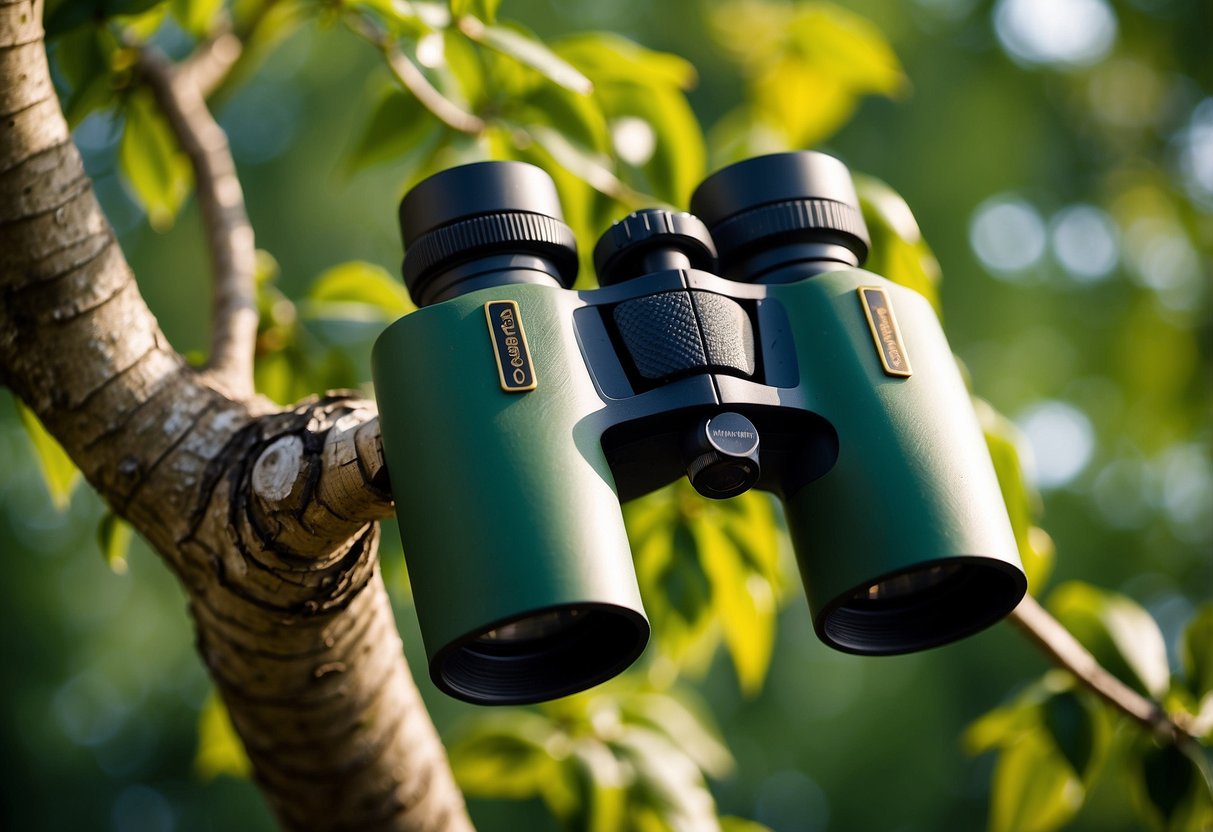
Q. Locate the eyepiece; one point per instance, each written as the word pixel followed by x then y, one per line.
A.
pixel 484 224
pixel 652 240
pixel 774 211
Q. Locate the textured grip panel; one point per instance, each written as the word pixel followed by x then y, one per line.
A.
pixel 728 335
pixel 675 333
pixel 661 334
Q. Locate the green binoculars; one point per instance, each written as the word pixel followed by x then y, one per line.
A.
pixel 739 345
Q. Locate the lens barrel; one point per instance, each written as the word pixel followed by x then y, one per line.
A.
pixel 484 224
pixel 771 212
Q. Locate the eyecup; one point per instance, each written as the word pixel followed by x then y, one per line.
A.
pixel 783 197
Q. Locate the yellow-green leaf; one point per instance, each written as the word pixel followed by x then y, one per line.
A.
pixel 527 50
pixel 506 754
pixel 59 473
pixel 1034 789
pixel 358 290
pixel 114 538
pixel 899 251
pixel 743 601
pixel 1122 636
pixel 198 17
pixel 219 748
pixel 158 173
pixel 486 10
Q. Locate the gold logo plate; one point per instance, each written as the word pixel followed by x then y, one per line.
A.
pixel 514 367
pixel 889 345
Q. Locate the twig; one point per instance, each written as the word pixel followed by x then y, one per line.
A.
pixel 179 94
pixel 1049 634
pixel 414 80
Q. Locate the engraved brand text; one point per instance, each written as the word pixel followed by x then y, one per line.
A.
pixel 514 368
pixel 889 346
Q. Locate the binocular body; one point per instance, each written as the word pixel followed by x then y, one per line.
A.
pixel 518 414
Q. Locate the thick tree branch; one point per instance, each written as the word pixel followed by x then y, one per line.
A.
pixel 292 617
pixel 180 96
pixel 1059 644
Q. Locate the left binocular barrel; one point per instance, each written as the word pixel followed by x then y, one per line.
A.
pixel 513 536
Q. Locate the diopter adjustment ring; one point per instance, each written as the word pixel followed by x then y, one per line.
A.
pixel 785 219
pixel 504 232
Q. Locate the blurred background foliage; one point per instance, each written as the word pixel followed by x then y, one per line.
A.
pixel 1058 157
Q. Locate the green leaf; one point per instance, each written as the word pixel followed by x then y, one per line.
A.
pixel 1033 789
pixel 898 250
pixel 59 473
pixel 678 156
pixel 158 173
pixel 743 601
pixel 84 61
pixel 485 10
pixel 198 17
pixel 1004 440
pixel 729 823
pixel 220 750
pixel 602 802
pixel 668 788
pixel 508 754
pixel 1119 633
pixel 1196 652
pixel 1070 724
pixel 608 58
pixel 358 290
pixel 1168 776
pixel 114 538
pixel 527 50
pixel 666 714
pixel 399 128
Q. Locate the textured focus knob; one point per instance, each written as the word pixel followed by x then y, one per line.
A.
pixel 650 240
pixel 724 456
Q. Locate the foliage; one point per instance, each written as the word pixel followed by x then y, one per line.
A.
pixel 613 121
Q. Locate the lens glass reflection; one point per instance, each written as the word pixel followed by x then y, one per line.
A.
pixel 910 583
pixel 532 628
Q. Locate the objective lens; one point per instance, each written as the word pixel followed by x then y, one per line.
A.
pixel 910 583
pixel 530 629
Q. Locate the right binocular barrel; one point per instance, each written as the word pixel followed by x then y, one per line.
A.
pixel 904 544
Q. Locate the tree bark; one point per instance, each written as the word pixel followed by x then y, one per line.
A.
pixel 266 515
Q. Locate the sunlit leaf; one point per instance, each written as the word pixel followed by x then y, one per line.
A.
pixel 198 17
pixel 729 823
pixel 114 539
pixel 158 173
pixel 1196 652
pixel 1006 725
pixel 898 249
pixel 358 290
pixel 668 787
pixel 486 10
pixel 666 714
pixel 398 128
pixel 606 57
pixel 1119 633
pixel 603 788
pixel 219 748
pixel 678 156
pixel 527 50
pixel 1034 789
pixel 1004 441
pixel 743 601
pixel 505 754
pixel 59 473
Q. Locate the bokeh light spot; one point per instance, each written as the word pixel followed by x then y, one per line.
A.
pixel 1055 32
pixel 1084 242
pixel 1062 441
pixel 1007 235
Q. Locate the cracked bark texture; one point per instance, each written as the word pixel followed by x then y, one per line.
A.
pixel 267 516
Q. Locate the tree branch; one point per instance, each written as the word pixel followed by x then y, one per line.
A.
pixel 179 94
pixel 303 649
pixel 1066 651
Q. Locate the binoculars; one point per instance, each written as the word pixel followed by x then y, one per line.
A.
pixel 740 345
